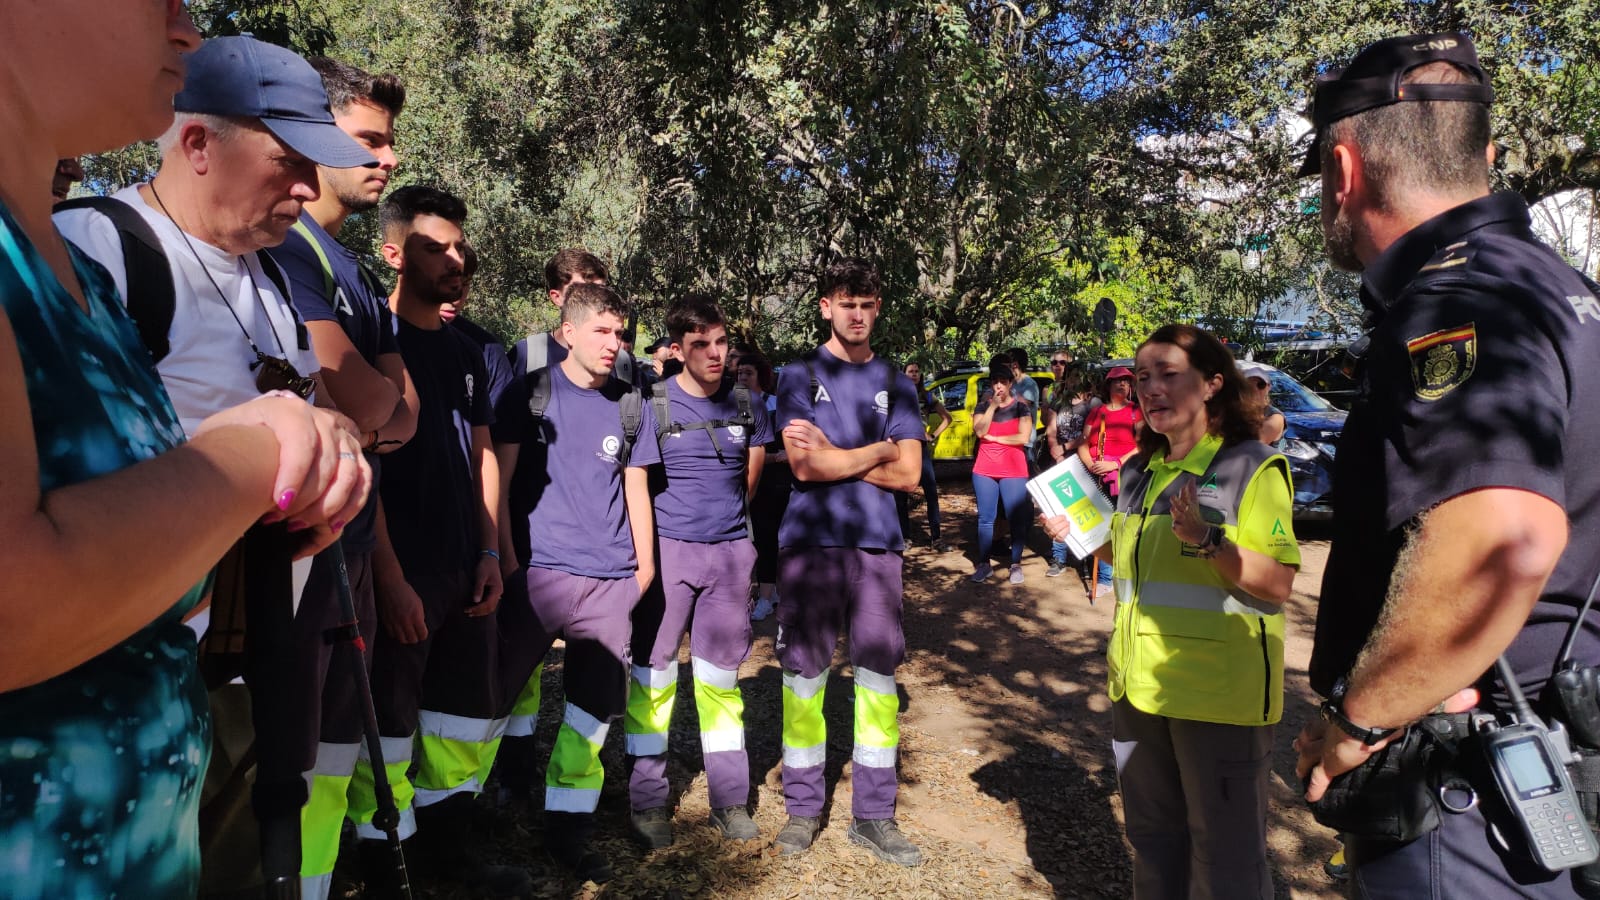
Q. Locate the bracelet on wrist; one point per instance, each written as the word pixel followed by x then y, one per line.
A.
pixel 492 554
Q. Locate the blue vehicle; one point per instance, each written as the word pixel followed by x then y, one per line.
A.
pixel 1311 429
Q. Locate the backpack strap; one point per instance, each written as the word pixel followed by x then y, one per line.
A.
pixel 741 397
pixel 539 402
pixel 151 297
pixel 630 406
pixel 538 356
pixel 304 231
pixel 662 407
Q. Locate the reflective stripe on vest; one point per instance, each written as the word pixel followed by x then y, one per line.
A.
pixel 1187 644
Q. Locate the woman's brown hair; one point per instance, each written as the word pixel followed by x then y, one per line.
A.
pixel 1227 414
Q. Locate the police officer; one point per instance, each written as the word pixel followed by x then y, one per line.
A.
pixel 1458 469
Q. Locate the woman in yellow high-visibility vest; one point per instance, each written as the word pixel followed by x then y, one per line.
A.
pixel 1204 556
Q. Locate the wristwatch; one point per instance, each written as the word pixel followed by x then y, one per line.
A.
pixel 1211 544
pixel 1332 712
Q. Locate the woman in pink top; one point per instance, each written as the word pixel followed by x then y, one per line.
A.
pixel 1002 423
pixel 1110 437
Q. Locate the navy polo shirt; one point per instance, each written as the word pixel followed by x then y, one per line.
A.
pixel 1477 376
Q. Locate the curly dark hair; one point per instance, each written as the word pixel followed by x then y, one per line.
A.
pixel 764 377
pixel 1227 414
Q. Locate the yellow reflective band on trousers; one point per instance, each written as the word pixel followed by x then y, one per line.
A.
pixel 649 714
pixel 364 803
pixel 446 765
pixel 877 713
pixel 328 785
pixel 575 776
pixel 525 711
pixel 805 731
pixel 721 711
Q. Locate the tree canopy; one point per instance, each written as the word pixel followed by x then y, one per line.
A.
pixel 1008 163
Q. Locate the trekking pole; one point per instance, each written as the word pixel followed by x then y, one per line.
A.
pixel 387 816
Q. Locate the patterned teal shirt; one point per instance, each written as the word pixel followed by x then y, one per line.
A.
pixel 100 767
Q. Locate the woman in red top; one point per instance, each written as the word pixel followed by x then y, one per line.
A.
pixel 1003 422
pixel 1110 436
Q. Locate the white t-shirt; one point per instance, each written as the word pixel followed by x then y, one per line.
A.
pixel 207 369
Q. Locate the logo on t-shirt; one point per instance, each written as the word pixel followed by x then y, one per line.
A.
pixel 822 395
pixel 610 447
pixel 342 303
pixel 469 390
pixel 880 403
pixel 736 432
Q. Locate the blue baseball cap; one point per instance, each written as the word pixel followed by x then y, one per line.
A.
pixel 241 76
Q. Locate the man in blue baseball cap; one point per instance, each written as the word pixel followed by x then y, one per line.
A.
pixel 237 164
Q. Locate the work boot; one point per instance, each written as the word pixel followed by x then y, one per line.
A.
pixel 797 834
pixel 652 828
pixel 380 870
pixel 735 823
pixel 566 839
pixel 883 838
pixel 445 850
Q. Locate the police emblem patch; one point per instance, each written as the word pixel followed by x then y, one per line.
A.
pixel 1441 361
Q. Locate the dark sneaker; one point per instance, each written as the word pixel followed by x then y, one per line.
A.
pixel 652 828
pixel 798 834
pixel 982 575
pixel 883 838
pixel 941 546
pixel 735 823
pixel 1055 570
pixel 566 839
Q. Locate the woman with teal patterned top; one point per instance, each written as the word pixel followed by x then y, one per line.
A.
pixel 108 527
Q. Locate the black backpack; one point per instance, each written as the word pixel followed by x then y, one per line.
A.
pixel 151 295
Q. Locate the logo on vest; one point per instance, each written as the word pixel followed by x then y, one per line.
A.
pixel 1277 528
pixel 880 403
pixel 1442 361
pixel 1208 489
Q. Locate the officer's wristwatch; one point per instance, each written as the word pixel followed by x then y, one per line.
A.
pixel 1332 712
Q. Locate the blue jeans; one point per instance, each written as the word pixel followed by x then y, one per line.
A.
pixel 991 492
pixel 1105 573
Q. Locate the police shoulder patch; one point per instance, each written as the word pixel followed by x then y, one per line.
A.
pixel 1443 360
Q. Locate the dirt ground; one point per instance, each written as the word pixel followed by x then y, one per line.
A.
pixel 1007 780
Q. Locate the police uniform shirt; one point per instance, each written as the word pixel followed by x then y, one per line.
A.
pixel 1477 376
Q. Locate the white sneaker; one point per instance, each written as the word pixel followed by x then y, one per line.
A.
pixel 765 606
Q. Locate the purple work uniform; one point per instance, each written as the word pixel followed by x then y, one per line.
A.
pixel 706 562
pixel 839 564
pixel 569 506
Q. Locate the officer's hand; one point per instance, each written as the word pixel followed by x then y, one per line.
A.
pixel 1186 522
pixel 1326 753
pixel 400 611
pixel 487 587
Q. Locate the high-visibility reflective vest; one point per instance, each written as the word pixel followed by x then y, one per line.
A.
pixel 1188 644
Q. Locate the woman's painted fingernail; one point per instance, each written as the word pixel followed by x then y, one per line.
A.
pixel 285 499
pixel 298 525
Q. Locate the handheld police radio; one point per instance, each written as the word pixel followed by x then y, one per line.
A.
pixel 1529 765
pixel 1574 694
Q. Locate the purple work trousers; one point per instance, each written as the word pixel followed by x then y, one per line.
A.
pixel 705 590
pixel 821 591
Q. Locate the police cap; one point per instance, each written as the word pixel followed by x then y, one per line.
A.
pixel 1373 79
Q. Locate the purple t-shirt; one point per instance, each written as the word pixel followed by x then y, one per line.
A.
pixel 569 490
pixel 853 408
pixel 704 498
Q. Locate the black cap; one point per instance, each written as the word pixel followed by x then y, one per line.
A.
pixel 658 343
pixel 1373 79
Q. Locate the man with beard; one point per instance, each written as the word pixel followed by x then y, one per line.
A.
pixel 346 311
pixel 585 531
pixel 1457 471
pixel 854 433
pixel 434 663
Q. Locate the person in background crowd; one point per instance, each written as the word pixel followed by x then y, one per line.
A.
pixel 1001 422
pixel 772 493
pixel 1026 390
pixel 930 407
pixel 1072 399
pixel 346 312
pixel 1110 438
pixel 1259 381
pixel 68 173
pixel 104 733
pixel 1199 604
